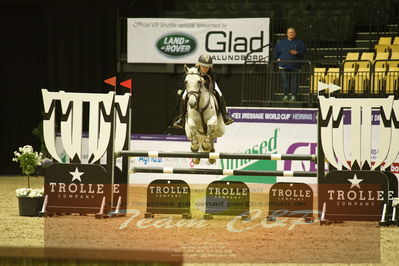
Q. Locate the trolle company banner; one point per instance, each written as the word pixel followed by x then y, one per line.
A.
pixel 182 41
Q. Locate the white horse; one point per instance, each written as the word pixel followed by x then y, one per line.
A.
pixel 203 123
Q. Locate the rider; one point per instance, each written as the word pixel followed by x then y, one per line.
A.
pixel 204 66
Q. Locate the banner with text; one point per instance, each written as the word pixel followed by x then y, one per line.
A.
pixel 256 130
pixel 182 41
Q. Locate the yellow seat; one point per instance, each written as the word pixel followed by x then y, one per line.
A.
pixel 395 55
pixel 319 74
pixel 381 48
pixel 392 81
pixel 392 78
pixel 396 40
pixel 385 40
pixel 349 69
pixel 352 56
pixel 362 76
pixel 379 75
pixel 381 56
pixel 332 75
pixel 394 48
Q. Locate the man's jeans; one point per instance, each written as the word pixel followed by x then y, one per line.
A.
pixel 290 81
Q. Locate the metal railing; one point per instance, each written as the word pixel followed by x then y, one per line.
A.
pixel 262 82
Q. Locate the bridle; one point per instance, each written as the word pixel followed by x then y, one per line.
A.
pixel 197 93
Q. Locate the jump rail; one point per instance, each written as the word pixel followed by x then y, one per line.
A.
pixel 217 155
pixel 205 171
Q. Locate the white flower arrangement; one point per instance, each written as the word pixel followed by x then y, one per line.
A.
pixel 28 160
pixel 29 192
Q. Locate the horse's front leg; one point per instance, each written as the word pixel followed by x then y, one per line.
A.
pixel 211 128
pixel 191 128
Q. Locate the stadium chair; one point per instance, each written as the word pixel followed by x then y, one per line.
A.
pixel 319 74
pixel 332 75
pixel 385 40
pixel 395 55
pixel 352 56
pixel 362 76
pixel 380 68
pixel 394 48
pixel 349 72
pixel 392 79
pixel 396 40
pixel 381 48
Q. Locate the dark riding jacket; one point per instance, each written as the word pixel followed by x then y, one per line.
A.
pixel 211 73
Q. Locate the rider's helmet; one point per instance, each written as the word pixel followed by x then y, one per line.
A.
pixel 205 60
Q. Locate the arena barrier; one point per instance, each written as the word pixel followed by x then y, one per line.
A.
pixel 351 175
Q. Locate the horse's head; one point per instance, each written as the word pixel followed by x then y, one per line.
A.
pixel 193 83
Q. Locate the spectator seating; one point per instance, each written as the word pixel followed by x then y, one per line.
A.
pixel 362 77
pixel 381 48
pixel 349 70
pixel 379 75
pixel 319 74
pixel 392 78
pixel 332 75
pixel 385 40
pixel 394 48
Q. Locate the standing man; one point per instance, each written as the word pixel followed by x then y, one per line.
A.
pixel 289 48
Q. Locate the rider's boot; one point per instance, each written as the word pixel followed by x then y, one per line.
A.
pixel 180 119
pixel 222 106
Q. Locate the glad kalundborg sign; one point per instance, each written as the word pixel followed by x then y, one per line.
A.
pixel 182 41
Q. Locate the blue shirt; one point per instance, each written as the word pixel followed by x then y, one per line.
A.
pixel 282 52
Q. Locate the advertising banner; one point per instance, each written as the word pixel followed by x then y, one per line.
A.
pixel 182 41
pixel 256 130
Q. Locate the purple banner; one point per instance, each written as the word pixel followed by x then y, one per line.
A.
pixel 286 116
pixel 375 117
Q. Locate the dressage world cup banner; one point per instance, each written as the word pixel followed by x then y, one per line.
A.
pixel 182 41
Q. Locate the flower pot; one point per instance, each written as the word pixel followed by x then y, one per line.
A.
pixel 30 206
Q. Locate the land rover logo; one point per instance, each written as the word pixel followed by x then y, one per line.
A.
pixel 176 44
